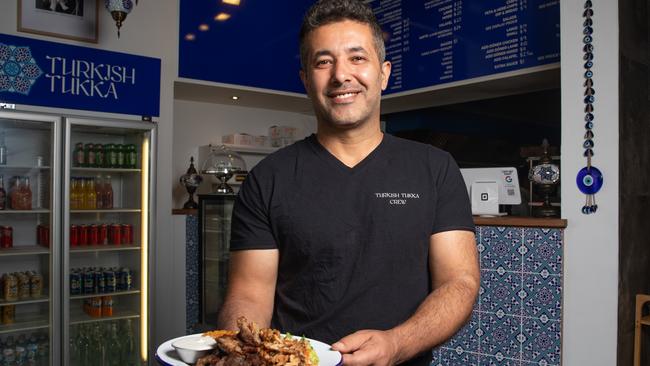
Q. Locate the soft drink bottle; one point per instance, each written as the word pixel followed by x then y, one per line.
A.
pixel 26 195
pixel 107 193
pixel 81 191
pixel 74 197
pixel 91 194
pixel 3 149
pixel 99 191
pixel 3 194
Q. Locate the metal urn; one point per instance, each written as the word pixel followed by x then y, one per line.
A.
pixel 191 180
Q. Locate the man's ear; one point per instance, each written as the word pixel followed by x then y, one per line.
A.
pixel 303 78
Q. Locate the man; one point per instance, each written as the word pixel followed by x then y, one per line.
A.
pixel 353 237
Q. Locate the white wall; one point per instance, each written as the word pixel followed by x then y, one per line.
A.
pixel 591 241
pixel 197 124
pixel 150 30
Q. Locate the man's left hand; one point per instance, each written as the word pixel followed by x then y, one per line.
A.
pixel 368 347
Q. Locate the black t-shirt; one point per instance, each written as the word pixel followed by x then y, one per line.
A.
pixel 353 242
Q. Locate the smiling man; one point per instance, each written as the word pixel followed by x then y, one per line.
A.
pixel 351 236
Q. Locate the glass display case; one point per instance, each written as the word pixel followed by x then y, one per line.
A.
pixel 215 212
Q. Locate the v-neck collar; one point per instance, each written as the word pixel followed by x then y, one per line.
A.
pixel 324 154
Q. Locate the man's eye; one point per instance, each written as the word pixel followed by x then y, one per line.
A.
pixel 321 63
pixel 358 58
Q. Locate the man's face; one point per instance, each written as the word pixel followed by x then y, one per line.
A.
pixel 343 75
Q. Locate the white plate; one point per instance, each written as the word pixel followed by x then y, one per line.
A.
pixel 166 354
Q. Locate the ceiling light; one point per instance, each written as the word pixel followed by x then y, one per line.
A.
pixel 222 17
pixel 234 97
pixel 204 27
pixel 231 2
pixel 190 37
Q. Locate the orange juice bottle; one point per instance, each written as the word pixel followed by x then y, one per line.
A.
pixel 91 195
pixel 99 190
pixel 81 191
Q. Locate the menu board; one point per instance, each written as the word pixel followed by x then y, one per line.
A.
pixel 429 42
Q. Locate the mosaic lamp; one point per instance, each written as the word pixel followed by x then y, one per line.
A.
pixel 119 9
pixel 545 176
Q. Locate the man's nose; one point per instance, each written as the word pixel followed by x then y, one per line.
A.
pixel 341 73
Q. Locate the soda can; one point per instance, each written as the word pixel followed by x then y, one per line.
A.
pixel 111 280
pixel 23 285
pixel 9 356
pixel 35 285
pixel 100 282
pixel 125 279
pixel 115 234
pixel 127 234
pixel 21 355
pixel 6 237
pixel 103 234
pixel 45 236
pixel 75 283
pixel 74 235
pixel 84 232
pixel 89 281
pixel 93 235
pixel 107 306
pixel 10 287
pixel 8 314
pixel 32 351
pixel 96 307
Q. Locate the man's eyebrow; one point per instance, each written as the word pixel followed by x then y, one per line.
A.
pixel 354 49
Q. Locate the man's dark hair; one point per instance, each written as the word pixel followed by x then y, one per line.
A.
pixel 324 12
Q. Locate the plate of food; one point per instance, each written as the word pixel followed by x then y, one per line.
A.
pixel 248 346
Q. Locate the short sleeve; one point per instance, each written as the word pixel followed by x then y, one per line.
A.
pixel 250 226
pixel 453 209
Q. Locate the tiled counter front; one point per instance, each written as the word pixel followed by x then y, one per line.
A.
pixel 517 319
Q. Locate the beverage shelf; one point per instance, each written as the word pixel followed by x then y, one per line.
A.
pixel 107 170
pixel 34 211
pixel 24 250
pixel 117 293
pixel 80 317
pixel 31 300
pixel 23 167
pixel 104 248
pixel 21 325
pixel 251 149
pixel 112 210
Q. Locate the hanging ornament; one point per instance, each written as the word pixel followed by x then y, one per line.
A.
pixel 589 179
pixel 119 10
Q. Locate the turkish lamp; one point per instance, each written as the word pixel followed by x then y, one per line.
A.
pixel 545 176
pixel 223 163
pixel 119 9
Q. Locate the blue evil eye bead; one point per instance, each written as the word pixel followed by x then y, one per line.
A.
pixel 594 208
pixel 588 47
pixel 590 91
pixel 589 134
pixel 589 64
pixel 585 210
pixel 589 125
pixel 588 4
pixel 590 99
pixel 588 118
pixel 589 74
pixel 588 22
pixel 588 13
pixel 588 144
pixel 588 56
pixel 587 39
pixel 589 180
pixel 587 31
pixel 588 153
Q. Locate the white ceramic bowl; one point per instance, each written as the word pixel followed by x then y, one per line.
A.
pixel 190 349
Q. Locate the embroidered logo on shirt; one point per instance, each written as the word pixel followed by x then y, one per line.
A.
pixel 395 198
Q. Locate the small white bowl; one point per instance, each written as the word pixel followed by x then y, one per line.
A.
pixel 191 348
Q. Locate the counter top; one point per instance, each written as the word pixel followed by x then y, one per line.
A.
pixel 185 211
pixel 520 221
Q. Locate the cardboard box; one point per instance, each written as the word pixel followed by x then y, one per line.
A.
pixel 242 139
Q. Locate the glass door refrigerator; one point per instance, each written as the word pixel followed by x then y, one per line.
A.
pixel 107 232
pixel 29 239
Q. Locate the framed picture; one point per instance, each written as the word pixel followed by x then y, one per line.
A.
pixel 71 19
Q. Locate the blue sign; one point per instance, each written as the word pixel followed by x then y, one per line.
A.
pixel 252 43
pixel 35 72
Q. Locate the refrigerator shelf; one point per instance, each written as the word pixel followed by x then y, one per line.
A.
pixel 83 318
pixel 23 167
pixel 104 248
pixel 24 250
pixel 25 212
pixel 43 298
pixel 113 210
pixel 107 170
pixel 117 293
pixel 36 322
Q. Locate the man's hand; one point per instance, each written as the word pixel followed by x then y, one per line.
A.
pixel 368 347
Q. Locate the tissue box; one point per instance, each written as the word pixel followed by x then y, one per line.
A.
pixel 282 135
pixel 238 139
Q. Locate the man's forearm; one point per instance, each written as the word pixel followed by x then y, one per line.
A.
pixel 234 308
pixel 437 318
